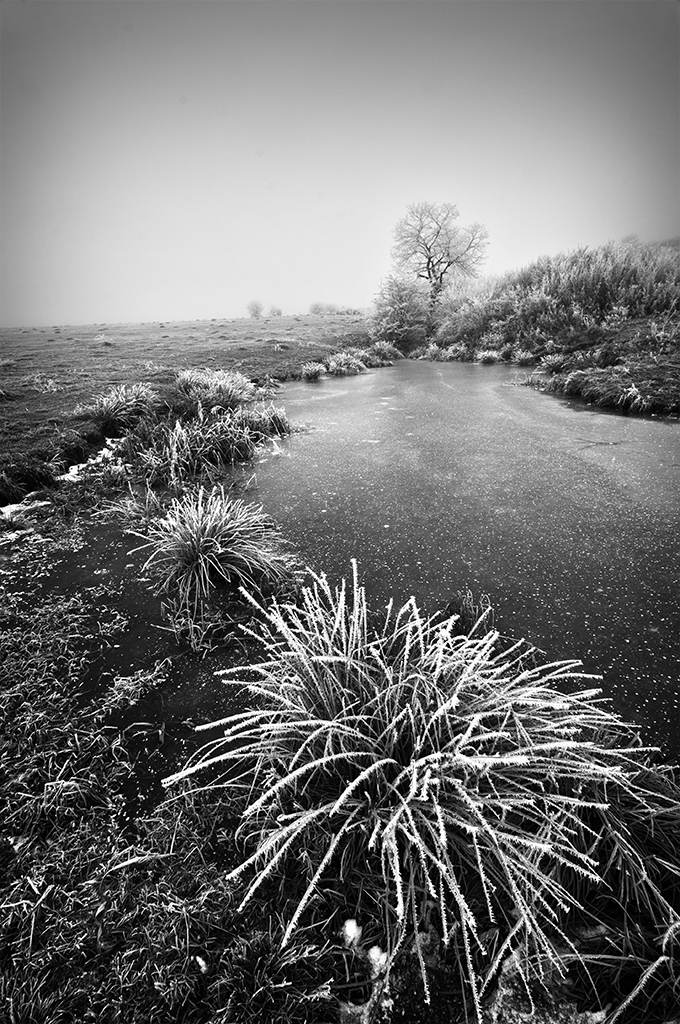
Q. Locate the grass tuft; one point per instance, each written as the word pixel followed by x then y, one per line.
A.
pixel 344 364
pixel 453 782
pixel 207 540
pixel 121 407
pixel 174 453
pixel 488 355
pixel 312 371
pixel 212 389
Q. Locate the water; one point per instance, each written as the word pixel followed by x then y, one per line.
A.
pixel 437 477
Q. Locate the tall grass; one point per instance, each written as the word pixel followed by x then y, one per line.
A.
pixel 209 389
pixel 121 407
pixel 445 781
pixel 379 353
pixel 173 453
pixel 262 421
pixel 638 387
pixel 353 360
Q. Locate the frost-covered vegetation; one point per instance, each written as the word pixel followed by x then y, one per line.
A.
pixel 403 808
pixel 472 805
pixel 603 323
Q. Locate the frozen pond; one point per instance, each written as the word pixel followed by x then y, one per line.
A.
pixel 437 477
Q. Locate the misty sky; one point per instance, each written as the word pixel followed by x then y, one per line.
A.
pixel 174 160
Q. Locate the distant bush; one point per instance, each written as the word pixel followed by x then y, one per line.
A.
pixel 400 313
pixel 275 311
pixel 578 299
pixel 255 309
pixel 319 308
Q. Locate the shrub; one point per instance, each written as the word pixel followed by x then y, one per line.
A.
pixel 400 312
pixel 493 338
pixel 523 357
pixel 577 298
pixel 432 777
pixel 255 309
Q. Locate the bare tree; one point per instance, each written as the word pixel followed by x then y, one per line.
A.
pixel 255 309
pixel 428 242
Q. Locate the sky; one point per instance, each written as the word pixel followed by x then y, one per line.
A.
pixel 176 159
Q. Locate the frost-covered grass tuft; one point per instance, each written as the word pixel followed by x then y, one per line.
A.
pixel 444 781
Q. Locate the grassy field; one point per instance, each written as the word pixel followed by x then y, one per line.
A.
pixel 417 810
pixel 45 374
